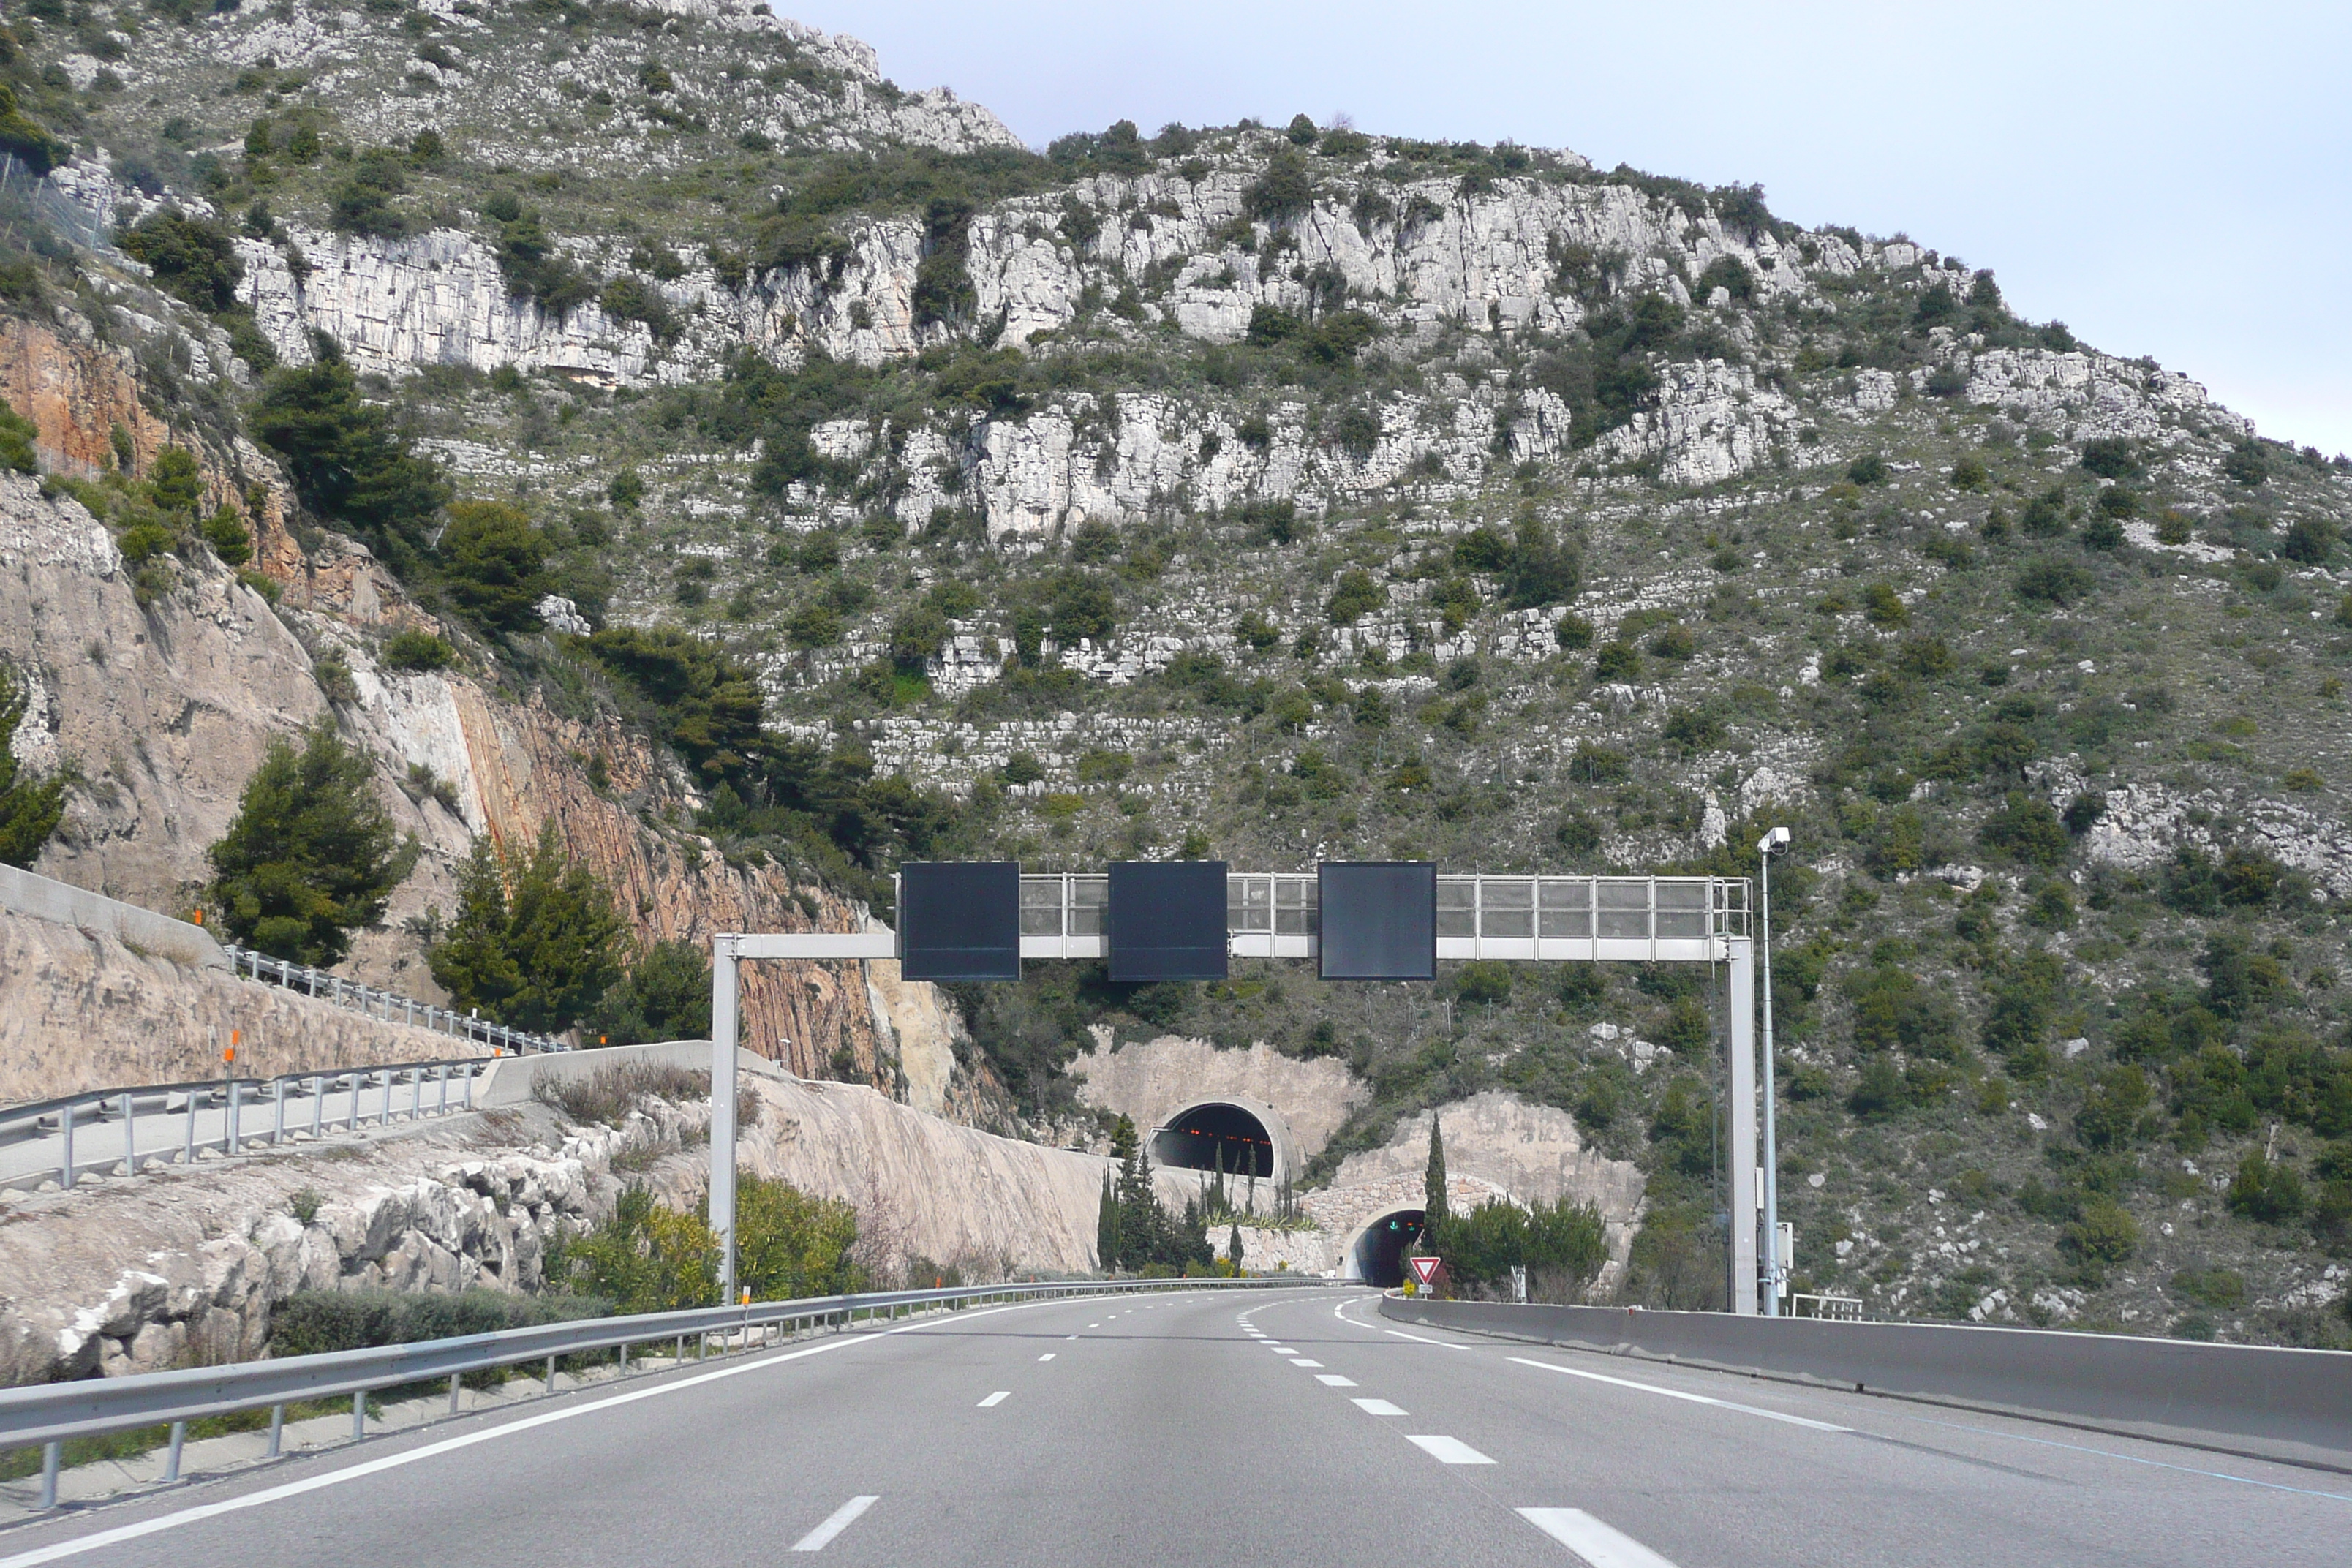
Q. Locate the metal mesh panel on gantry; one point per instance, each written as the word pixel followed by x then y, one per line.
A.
pixel 1379 919
pixel 1166 919
pixel 959 920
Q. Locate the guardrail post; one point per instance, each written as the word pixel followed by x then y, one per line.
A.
pixel 52 1456
pixel 359 1415
pixel 318 1103
pixel 551 1375
pixel 129 1143
pixel 389 1074
pixel 179 1440
pixel 189 1158
pixel 278 1129
pixel 443 1109
pixel 66 1161
pixel 276 1429
pixel 415 1093
pixel 359 1082
pixel 235 1110
pixel 455 1379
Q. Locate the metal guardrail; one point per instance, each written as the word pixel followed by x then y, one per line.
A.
pixel 50 1414
pixel 346 1099
pixel 1836 1308
pixel 388 1006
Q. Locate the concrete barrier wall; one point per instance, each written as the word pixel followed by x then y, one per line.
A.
pixel 142 930
pixel 2292 1405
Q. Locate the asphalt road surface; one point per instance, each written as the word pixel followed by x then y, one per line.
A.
pixel 1201 1428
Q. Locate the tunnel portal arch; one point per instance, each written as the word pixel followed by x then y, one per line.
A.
pixel 1243 1137
pixel 1376 1253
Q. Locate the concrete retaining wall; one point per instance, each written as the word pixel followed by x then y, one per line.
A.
pixel 142 930
pixel 2291 1404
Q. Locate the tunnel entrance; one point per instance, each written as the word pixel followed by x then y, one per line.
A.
pixel 1381 1250
pixel 1214 1136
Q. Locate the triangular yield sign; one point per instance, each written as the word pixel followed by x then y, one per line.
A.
pixel 1423 1268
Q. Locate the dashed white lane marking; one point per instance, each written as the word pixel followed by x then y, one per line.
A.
pixel 1693 1398
pixel 1302 1361
pixel 1591 1539
pixel 1048 1356
pixel 1448 1450
pixel 1419 1341
pixel 1380 1407
pixel 1093 1325
pixel 146 1527
pixel 843 1518
pixel 1068 1337
pixel 1333 1380
pixel 999 1398
pixel 1282 1350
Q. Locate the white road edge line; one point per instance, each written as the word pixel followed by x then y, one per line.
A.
pixel 845 1516
pixel 1693 1398
pixel 1380 1407
pixel 1591 1539
pixel 146 1527
pixel 1448 1450
pixel 1416 1339
pixel 999 1398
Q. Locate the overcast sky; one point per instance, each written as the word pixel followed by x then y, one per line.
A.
pixel 2168 179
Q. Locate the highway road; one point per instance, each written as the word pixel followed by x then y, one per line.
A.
pixel 1201 1429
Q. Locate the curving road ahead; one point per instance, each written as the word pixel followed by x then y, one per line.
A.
pixel 1199 1428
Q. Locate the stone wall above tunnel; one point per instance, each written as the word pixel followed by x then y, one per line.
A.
pixel 1151 1080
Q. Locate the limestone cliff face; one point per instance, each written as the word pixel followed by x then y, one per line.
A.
pixel 82 1011
pixel 167 708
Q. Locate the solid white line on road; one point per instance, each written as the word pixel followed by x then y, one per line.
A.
pixel 843 1518
pixel 1048 1356
pixel 1693 1398
pixel 147 1527
pixel 999 1398
pixel 1302 1361
pixel 1333 1380
pixel 1419 1341
pixel 1591 1539
pixel 1448 1450
pixel 1380 1407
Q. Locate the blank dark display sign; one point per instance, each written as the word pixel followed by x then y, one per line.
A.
pixel 1166 919
pixel 959 920
pixel 1379 919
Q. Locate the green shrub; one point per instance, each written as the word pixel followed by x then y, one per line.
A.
pixel 1728 273
pixel 2053 581
pixel 2028 829
pixel 314 1323
pixel 1354 597
pixel 418 651
pixel 1869 468
pixel 227 533
pixel 1617 661
pixel 17 435
pixel 2103 1235
pixel 2247 464
pixel 30 809
pixel 1285 189
pixel 2111 458
pixel 1970 474
pixel 2266 1190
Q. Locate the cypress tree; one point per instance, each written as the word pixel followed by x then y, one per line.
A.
pixel 1106 1227
pixel 1433 1216
pixel 1233 1248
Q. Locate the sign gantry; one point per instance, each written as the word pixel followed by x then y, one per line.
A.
pixel 1187 920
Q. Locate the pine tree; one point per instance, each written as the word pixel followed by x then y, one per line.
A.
pixel 313 855
pixel 1434 1218
pixel 541 958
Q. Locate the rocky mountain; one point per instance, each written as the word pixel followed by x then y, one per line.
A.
pixel 1270 494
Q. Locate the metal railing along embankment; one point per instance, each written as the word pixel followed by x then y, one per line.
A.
pixel 124 1132
pixel 46 1415
pixel 387 1005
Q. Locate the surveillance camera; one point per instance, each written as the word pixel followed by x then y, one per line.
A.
pixel 1773 843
